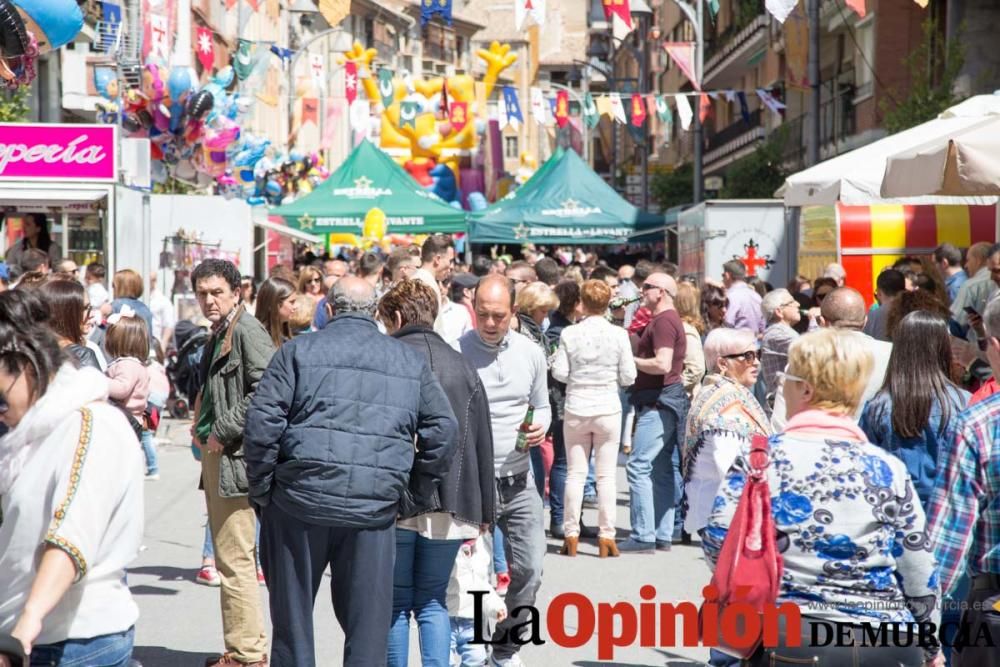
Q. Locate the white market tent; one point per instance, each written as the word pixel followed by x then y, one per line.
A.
pixel 855 178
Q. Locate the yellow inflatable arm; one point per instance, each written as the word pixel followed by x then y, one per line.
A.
pixel 497 59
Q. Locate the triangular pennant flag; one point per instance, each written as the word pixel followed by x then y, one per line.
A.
pixel 537 105
pixel 682 53
pixel 704 107
pixel 663 109
pixel 619 8
pixel 744 109
pixel 858 6
pixel 780 9
pixel 651 105
pixel 512 107
pixel 334 11
pixel 562 108
pixel 408 110
pixel 620 28
pixel 638 110
pixel 618 109
pixel 284 54
pixel 386 87
pixel 923 5
pixel 591 116
pixel 604 106
pixel 528 13
pixel 254 4
pixel 458 115
pixel 713 7
pixel 310 110
pixel 206 49
pixel 684 111
pixel 730 96
pixel 244 59
pixel 351 81
pixel 768 100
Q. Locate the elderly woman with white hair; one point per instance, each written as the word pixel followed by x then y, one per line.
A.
pixel 723 418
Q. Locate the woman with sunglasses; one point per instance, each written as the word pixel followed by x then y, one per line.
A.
pixel 69 318
pixel 71 487
pixel 311 283
pixel 849 527
pixel 724 416
pixel 714 305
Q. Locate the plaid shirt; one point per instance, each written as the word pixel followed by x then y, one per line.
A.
pixel 774 352
pixel 964 508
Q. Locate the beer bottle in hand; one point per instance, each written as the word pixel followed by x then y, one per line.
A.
pixel 522 432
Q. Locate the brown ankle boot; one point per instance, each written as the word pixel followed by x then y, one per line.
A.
pixel 569 546
pixel 607 547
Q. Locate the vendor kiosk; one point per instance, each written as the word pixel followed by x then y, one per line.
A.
pixel 68 173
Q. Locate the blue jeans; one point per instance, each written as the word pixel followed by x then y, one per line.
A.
pixel 463 653
pixel 650 473
pixel 420 585
pixel 538 470
pixel 499 554
pixel 557 476
pixel 113 650
pixel 150 452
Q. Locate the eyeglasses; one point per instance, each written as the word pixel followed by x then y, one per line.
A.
pixel 782 376
pixel 793 302
pixel 314 280
pixel 718 304
pixel 748 357
pixel 647 286
pixel 4 405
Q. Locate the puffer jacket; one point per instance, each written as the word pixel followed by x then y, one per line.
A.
pixel 331 429
pixel 467 492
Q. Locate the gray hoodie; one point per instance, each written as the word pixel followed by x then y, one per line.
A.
pixel 515 376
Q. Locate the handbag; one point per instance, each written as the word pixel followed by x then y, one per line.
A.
pixel 748 570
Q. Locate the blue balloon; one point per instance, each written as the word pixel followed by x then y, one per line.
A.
pixel 273 188
pixel 180 84
pixel 54 22
pixel 477 202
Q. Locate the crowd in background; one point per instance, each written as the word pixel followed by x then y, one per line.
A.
pixel 531 377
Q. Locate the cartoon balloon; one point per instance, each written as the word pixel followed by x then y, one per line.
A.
pixel 52 22
pixel 179 85
pixel 375 225
pixel 199 104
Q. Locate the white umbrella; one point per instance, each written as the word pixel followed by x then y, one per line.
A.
pixel 964 164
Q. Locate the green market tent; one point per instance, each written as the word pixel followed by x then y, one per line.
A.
pixel 564 202
pixel 367 179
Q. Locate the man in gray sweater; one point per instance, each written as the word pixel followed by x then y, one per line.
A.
pixel 513 370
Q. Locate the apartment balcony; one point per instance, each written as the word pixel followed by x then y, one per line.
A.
pixel 734 141
pixel 837 125
pixel 739 47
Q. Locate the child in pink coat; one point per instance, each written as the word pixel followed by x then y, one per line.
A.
pixel 127 345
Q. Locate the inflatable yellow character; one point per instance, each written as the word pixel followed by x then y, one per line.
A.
pixel 425 133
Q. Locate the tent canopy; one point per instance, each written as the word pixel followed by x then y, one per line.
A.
pixel 565 202
pixel 369 179
pixel 855 178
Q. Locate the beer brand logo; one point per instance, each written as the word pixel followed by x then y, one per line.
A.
pixel 362 190
pixel 571 209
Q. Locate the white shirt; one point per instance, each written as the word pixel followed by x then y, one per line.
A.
pixel 593 359
pixel 85 500
pixel 427 278
pixel 163 314
pixel 455 321
pixel 98 295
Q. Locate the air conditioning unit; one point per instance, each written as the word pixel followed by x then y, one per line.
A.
pixel 135 163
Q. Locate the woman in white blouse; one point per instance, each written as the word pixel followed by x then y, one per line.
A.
pixel 71 481
pixel 594 358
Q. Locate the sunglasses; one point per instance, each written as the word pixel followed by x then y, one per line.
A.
pixel 315 280
pixel 749 356
pixel 718 304
pixel 4 405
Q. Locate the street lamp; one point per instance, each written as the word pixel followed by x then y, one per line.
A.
pixel 642 12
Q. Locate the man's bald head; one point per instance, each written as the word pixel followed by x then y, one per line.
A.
pixel 494 304
pixel 844 308
pixel 493 286
pixel 352 295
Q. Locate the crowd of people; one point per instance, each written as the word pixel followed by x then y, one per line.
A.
pixel 402 421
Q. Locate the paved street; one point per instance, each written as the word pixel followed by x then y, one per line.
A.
pixel 180 623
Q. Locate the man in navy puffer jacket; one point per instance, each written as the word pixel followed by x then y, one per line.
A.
pixel 348 429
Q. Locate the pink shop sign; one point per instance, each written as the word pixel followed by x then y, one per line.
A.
pixel 58 152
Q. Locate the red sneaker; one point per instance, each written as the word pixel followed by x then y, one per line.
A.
pixel 208 576
pixel 503 583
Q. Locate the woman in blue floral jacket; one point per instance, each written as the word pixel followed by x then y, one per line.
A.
pixel 850 526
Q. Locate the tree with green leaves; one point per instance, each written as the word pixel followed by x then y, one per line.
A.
pixel 933 66
pixel 757 175
pixel 672 188
pixel 14 105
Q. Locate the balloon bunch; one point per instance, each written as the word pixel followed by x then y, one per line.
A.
pixel 29 28
pixel 276 178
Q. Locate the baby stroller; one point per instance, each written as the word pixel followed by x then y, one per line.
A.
pixel 184 367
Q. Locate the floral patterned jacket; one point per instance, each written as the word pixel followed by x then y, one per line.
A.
pixel 850 528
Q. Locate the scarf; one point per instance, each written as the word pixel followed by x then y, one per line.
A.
pixel 829 426
pixel 724 405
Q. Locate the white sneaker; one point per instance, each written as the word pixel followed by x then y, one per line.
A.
pixel 152 478
pixel 512 661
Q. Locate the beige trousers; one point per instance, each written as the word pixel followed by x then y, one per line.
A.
pixel 234 524
pixel 583 434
